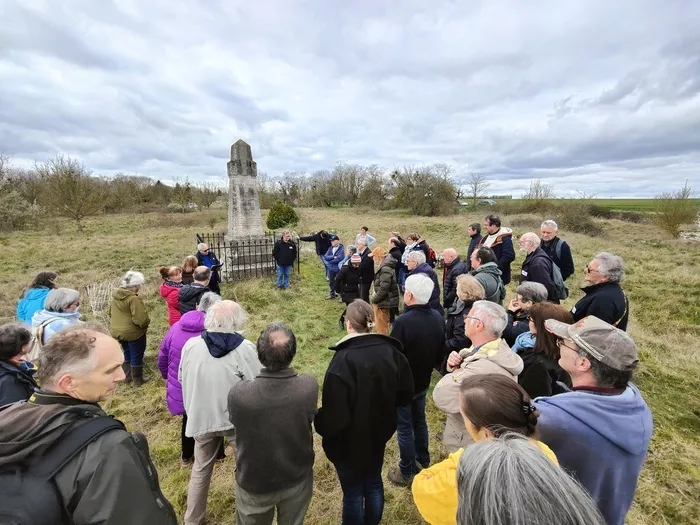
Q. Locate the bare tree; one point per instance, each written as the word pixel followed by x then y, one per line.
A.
pixel 207 194
pixel 476 186
pixel 539 191
pixel 4 166
pixel 675 209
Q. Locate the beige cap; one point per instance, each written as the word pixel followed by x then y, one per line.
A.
pixel 603 342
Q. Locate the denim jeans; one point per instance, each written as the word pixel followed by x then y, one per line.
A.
pixel 283 273
pixel 134 350
pixel 412 435
pixel 323 262
pixel 363 494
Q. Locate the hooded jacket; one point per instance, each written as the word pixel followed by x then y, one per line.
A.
pixel 449 281
pixel 537 268
pixel 321 241
pixel 541 376
pixel 606 301
pixel 170 291
pixel 31 302
pixel 455 337
pixel 128 316
pixel 190 325
pixel 56 321
pixel 209 367
pixel 112 481
pixel 366 380
pixel 602 440
pixel 190 296
pixel 331 260
pixel 489 276
pixel 517 324
pixel 386 289
pixel 494 357
pixel 347 283
pixel 16 383
pixel 426 269
pixel 502 247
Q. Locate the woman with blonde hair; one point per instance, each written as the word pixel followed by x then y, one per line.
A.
pixel 188 265
pixel 469 290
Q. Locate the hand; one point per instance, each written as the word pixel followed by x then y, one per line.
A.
pixel 454 360
pixel 513 305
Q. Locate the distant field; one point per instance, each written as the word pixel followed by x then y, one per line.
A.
pixel 629 204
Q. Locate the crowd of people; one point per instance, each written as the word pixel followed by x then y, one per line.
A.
pixel 542 421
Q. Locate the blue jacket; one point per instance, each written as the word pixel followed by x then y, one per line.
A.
pixel 523 342
pixel 602 440
pixel 32 302
pixel 331 261
pixel 426 269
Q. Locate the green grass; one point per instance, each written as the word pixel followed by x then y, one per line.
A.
pixel 629 204
pixel 663 283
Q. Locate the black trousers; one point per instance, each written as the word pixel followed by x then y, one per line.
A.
pixel 188 443
pixel 364 291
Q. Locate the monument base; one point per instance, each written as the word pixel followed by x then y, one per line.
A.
pixel 249 257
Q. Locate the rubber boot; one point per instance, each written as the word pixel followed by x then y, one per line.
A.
pixel 137 373
pixel 127 372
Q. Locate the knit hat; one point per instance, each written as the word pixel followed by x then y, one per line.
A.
pixel 601 341
pixel 379 251
pixel 355 259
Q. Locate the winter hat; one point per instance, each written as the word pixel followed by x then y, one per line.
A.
pixel 355 259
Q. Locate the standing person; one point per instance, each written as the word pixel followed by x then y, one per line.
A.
pixel 486 271
pixel 537 266
pixel 500 240
pixel 190 325
pixel 206 257
pixel 469 290
pixel 557 249
pixel 367 379
pixel 415 263
pixel 16 373
pixel 284 253
pixel 420 330
pixel 526 295
pixel 129 322
pixel 190 294
pixel 60 310
pixel 386 290
pixel 489 354
pixel 365 237
pixel 34 296
pixel 366 270
pixel 322 242
pixel 170 291
pixel 474 232
pixel 454 267
pixel 604 296
pixel 349 283
pixel 600 430
pixel 211 364
pixel 111 480
pixel 331 259
pixel 274 413
pixel 492 407
pixel 188 266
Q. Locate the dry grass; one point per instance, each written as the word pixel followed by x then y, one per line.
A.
pixel 663 284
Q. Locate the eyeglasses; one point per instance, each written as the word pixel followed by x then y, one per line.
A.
pixel 588 269
pixel 560 344
pixel 206 250
pixel 471 317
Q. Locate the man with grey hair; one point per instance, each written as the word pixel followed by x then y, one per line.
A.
pixel 190 294
pixel 274 412
pixel 206 257
pixel 60 310
pixel 417 265
pixel 604 296
pixel 454 267
pixel 557 249
pixel 537 266
pixel 489 354
pixel 211 364
pixel 108 476
pixel 421 331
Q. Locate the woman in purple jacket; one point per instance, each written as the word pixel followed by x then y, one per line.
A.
pixel 190 325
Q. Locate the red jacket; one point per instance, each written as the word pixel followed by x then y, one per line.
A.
pixel 169 292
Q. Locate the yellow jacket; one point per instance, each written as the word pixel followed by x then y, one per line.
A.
pixel 435 488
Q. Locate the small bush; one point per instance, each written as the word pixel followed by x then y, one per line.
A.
pixel 174 207
pixel 281 215
pixel 15 212
pixel 675 209
pixel 526 222
pixel 575 216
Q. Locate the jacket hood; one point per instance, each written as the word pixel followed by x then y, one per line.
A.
pixel 536 253
pixel 491 268
pixel 423 268
pixel 220 343
pixel 499 353
pixel 355 339
pixel 453 263
pixel 389 261
pixel 504 232
pixel 192 321
pixel 187 293
pixel 44 315
pixel 36 293
pixel 121 294
pixel 605 415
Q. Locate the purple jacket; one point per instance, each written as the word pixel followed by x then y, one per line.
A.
pixel 190 325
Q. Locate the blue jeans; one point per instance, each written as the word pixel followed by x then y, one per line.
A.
pixel 283 273
pixel 323 262
pixel 412 434
pixel 134 350
pixel 331 280
pixel 363 495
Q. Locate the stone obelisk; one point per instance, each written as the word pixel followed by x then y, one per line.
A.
pixel 244 219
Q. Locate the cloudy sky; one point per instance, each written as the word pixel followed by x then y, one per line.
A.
pixel 597 96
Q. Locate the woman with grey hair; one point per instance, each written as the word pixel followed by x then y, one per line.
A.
pixel 60 310
pixel 128 324
pixel 508 481
pixel 527 294
pixel 604 297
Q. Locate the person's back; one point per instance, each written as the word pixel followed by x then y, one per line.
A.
pixel 189 296
pixel 426 269
pixel 31 302
pixel 489 276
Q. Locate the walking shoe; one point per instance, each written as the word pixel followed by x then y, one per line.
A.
pixel 397 478
pixel 186 462
pixel 331 296
pixel 137 374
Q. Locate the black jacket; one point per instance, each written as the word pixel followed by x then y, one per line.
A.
pixel 366 380
pixel 189 296
pixel 449 281
pixel 421 331
pixel 214 279
pixel 284 253
pixel 606 301
pixel 517 324
pixel 503 250
pixel 455 337
pixel 473 245
pixel 435 297
pixel 396 253
pixel 366 266
pixel 426 250
pixel 566 262
pixel 15 384
pixel 537 268
pixel 321 239
pixel 347 283
pixel 540 375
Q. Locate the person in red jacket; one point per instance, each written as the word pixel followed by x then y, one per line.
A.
pixel 169 290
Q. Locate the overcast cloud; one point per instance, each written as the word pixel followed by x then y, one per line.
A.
pixel 594 96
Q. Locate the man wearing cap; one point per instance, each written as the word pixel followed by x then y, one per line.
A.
pixel 386 290
pixel 600 429
pixel 333 256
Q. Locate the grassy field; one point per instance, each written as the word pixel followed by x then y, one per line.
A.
pixel 663 284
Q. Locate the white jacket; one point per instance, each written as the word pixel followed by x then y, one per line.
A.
pixel 206 381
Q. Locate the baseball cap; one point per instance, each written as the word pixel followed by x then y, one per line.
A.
pixel 333 237
pixel 379 251
pixel 603 342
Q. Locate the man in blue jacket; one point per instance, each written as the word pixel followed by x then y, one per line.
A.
pixel 333 256
pixel 600 429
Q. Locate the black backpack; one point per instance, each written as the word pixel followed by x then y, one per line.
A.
pixel 28 495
